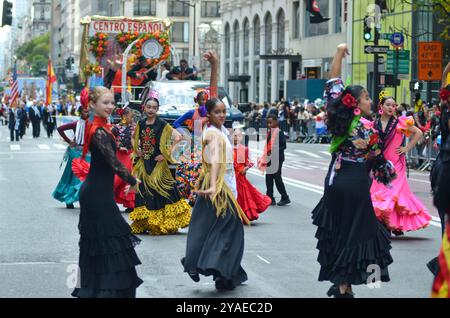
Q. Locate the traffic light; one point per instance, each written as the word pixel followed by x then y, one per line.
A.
pixel 7 13
pixel 367 29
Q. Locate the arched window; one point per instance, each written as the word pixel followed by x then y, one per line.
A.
pixel 280 29
pixel 236 38
pixel 268 32
pixel 257 35
pixel 227 41
pixel 246 29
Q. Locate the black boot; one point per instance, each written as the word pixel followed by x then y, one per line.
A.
pixel 70 206
pixel 273 201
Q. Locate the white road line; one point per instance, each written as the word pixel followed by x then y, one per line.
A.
pixel 326 153
pixel 14 147
pixel 59 146
pixel 43 147
pixel 436 219
pixel 31 152
pixel 308 153
pixel 296 166
pixel 28 263
pixel 263 259
pixel 435 224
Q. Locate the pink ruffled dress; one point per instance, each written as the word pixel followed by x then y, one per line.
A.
pixel 396 206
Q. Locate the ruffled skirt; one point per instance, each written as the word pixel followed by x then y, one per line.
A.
pixel 215 245
pixel 107 257
pixel 69 185
pixel 396 206
pixel 353 245
pixel 159 215
pixel 250 199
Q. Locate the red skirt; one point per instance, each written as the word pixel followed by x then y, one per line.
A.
pixel 250 199
pixel 119 185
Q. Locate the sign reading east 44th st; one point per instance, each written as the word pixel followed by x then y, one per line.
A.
pixel 373 49
pixel 430 61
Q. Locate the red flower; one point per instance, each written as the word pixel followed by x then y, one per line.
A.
pixel 349 101
pixel 153 141
pixel 373 139
pixel 444 94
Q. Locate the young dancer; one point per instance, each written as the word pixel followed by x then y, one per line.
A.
pixel 249 198
pixel 215 242
pixel 398 208
pixel 107 256
pixel 159 208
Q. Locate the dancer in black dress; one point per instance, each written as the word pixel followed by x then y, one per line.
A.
pixel 352 243
pixel 107 257
pixel 215 242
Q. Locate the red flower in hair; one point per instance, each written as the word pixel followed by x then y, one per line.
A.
pixel 444 94
pixel 84 98
pixel 349 101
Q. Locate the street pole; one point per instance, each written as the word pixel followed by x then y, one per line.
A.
pixel 376 73
pixel 195 23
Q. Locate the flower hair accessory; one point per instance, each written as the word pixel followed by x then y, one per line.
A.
pixel 84 98
pixel 444 94
pixel 349 101
pixel 120 111
pixel 154 94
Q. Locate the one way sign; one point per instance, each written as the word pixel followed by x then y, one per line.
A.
pixel 372 49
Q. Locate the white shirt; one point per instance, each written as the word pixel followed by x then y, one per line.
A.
pixel 230 177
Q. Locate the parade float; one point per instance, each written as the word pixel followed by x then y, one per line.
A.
pixel 105 38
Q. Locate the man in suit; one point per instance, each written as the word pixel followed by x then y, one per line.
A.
pixel 14 122
pixel 35 118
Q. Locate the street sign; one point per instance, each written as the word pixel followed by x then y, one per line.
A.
pixel 430 61
pixel 397 39
pixel 398 62
pixel 373 49
pixel 385 36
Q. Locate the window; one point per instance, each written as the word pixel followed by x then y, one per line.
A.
pixel 144 7
pixel 280 29
pixel 296 13
pixel 178 9
pixel 180 32
pixel 246 38
pixel 338 16
pixel 257 35
pixel 268 34
pixel 210 9
pixel 227 41
pixel 319 28
pixel 236 39
pixel 183 53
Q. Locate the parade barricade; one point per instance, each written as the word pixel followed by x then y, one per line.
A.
pixel 423 155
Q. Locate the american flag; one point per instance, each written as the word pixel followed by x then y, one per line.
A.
pixel 14 85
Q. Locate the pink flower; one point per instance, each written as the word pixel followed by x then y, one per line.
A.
pixel 367 123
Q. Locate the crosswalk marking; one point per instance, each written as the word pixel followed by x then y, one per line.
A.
pixel 43 147
pixel 14 147
pixel 326 153
pixel 308 153
pixel 59 146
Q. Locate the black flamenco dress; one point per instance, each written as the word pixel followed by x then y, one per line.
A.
pixel 352 243
pixel 107 257
pixel 159 207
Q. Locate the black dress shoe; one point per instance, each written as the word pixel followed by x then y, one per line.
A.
pixel 284 202
pixel 273 202
pixel 70 206
pixel 397 233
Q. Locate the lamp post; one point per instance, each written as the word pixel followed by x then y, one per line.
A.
pixel 195 19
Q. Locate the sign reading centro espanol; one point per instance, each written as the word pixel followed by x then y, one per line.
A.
pixel 115 27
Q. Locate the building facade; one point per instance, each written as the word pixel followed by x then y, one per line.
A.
pixel 265 43
pixel 40 17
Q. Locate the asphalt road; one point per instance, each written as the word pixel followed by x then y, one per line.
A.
pixel 39 237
